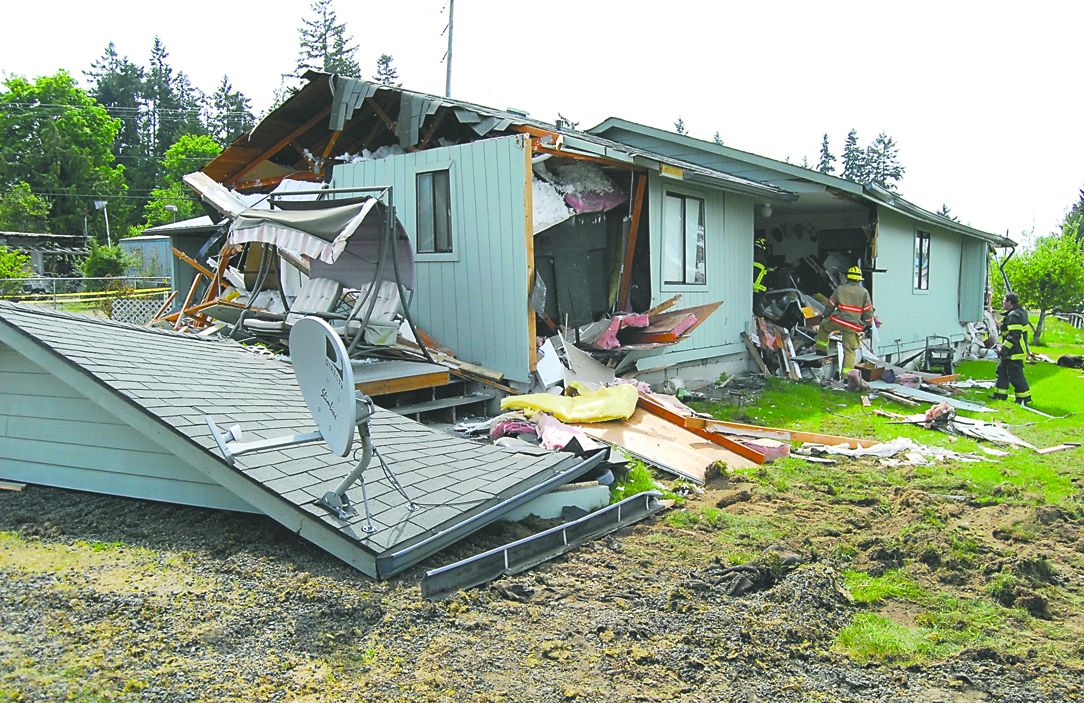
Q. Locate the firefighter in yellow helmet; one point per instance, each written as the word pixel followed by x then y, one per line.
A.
pixel 850 312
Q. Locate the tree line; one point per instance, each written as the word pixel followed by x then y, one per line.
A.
pixel 128 137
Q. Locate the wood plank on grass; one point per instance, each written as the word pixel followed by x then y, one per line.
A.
pixel 665 445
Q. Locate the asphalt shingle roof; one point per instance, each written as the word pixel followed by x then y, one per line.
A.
pixel 179 379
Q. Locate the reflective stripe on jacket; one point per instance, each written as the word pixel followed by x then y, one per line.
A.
pixel 1014 333
pixel 851 306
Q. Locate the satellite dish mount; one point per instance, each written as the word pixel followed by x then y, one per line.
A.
pixel 326 379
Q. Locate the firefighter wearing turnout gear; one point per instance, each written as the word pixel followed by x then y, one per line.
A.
pixel 850 312
pixel 1012 350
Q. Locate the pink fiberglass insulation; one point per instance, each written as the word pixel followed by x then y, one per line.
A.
pixel 608 340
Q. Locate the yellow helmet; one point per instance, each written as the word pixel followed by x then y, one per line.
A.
pixel 854 273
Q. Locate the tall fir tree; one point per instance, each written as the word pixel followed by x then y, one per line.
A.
pixel 324 43
pixel 828 159
pixel 165 121
pixel 946 212
pixel 230 113
pixel 1074 219
pixel 679 126
pixel 854 159
pixel 385 71
pixel 117 84
pixel 192 105
pixel 716 139
pixel 882 163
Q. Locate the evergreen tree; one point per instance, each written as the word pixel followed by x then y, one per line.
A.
pixel 118 85
pixel 679 126
pixel 324 44
pixel 1074 219
pixel 854 159
pixel 164 120
pixel 946 212
pixel 716 139
pixel 230 113
pixel 192 104
pixel 385 72
pixel 882 163
pixel 827 161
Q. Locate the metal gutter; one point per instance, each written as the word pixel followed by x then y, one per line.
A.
pixel 391 564
pixel 521 555
pixel 894 202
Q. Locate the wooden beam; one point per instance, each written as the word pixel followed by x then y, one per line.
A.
pixel 264 182
pixel 587 157
pixel 165 305
pixel 331 142
pixel 188 299
pixel 429 134
pixel 660 410
pixel 380 113
pixel 192 262
pixel 634 231
pixel 267 154
pixel 400 385
pixel 736 428
pixel 305 156
pixel 528 227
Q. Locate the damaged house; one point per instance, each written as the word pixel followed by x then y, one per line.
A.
pixel 520 227
pixel 927 274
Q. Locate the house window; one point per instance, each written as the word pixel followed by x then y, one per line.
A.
pixel 434 213
pixel 922 261
pixel 684 240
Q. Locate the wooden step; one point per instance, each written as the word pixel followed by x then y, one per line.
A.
pixel 441 403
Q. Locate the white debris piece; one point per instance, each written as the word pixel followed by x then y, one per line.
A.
pixel 899 445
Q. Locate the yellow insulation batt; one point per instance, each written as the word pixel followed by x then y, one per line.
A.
pixel 612 403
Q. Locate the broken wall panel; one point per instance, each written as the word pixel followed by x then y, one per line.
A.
pixel 474 298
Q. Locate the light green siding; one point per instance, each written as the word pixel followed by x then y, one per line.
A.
pixel 473 301
pixel 973 261
pixel 729 254
pixel 52 436
pixel 907 315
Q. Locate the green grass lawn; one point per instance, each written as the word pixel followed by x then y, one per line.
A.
pixel 1058 338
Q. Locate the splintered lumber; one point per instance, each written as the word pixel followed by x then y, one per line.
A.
pixel 755 353
pixel 626 269
pixel 865 401
pixel 670 414
pixel 898 399
pixel 737 428
pixel 187 301
pixel 664 305
pixel 193 263
pixel 665 445
pixel 165 306
pixel 11 486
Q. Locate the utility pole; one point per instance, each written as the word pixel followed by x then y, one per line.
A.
pixel 448 80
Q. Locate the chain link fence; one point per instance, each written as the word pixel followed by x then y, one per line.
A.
pixel 127 298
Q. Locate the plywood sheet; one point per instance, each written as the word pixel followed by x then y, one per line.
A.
pixel 663 444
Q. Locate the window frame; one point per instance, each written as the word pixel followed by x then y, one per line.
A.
pixel 453 238
pixel 684 197
pixel 920 279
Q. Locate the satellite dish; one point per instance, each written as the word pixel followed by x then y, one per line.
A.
pixel 326 378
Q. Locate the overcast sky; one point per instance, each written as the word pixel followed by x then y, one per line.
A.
pixel 984 102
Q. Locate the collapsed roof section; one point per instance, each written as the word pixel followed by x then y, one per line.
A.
pixel 334 119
